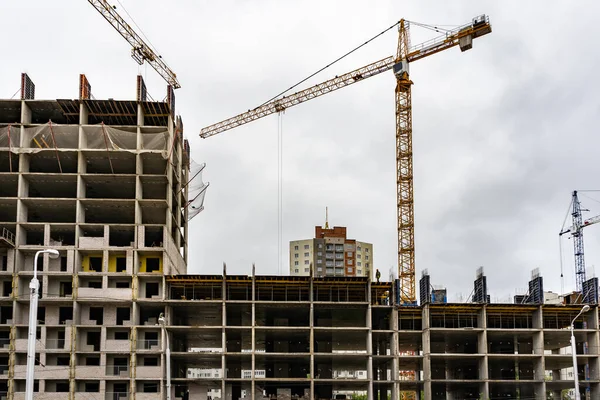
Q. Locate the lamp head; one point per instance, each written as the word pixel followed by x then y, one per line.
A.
pixel 52 253
pixel 585 308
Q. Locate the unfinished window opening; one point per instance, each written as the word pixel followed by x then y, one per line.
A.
pixel 47 162
pixel 63 264
pixel 151 387
pixel 153 164
pixel 123 314
pixel 3 366
pixel 122 285
pixel 93 360
pixel 66 289
pixel 120 365
pixel 9 162
pixel 6 313
pixel 121 335
pixel 97 314
pixel 41 315
pixel 60 335
pixel 153 236
pixel 63 360
pixel 4 263
pixel 95 284
pixel 62 236
pixel 92 387
pixel 93 339
pixel 56 211
pixel 121 264
pixel 6 288
pixel 8 211
pixel 96 264
pixel 4 338
pixel 9 187
pixel 152 264
pixel 151 289
pixel 65 314
pixel 62 387
pixel 151 361
pixel 151 340
pixel 121 236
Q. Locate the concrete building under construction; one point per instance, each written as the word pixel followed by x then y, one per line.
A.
pixel 107 184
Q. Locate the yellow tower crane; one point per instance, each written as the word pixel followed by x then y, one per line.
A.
pixel 140 50
pixel 461 36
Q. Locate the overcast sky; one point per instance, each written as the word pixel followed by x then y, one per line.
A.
pixel 502 133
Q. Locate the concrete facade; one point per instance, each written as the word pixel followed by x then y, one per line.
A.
pixel 104 183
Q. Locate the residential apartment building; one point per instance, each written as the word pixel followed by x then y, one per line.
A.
pixel 103 182
pixel 331 253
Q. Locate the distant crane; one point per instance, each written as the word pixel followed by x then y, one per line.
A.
pixel 576 231
pixel 140 51
pixel 461 36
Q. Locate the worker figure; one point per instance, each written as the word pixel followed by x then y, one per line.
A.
pixel 377 275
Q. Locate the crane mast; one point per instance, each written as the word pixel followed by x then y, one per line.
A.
pixel 140 51
pixel 461 36
pixel 576 231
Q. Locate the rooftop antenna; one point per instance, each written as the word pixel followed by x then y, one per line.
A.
pixel 326 218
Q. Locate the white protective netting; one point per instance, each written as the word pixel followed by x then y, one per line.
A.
pixel 66 137
pixel 196 190
pixel 10 136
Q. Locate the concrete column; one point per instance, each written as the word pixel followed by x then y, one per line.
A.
pixel 426 339
pixel 253 383
pixel 370 377
pixel 394 352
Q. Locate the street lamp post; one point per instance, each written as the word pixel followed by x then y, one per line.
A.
pixel 34 285
pixel 585 308
pixel 163 322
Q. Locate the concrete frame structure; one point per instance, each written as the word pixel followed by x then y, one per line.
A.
pixel 244 336
pixel 104 183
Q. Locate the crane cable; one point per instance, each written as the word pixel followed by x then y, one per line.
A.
pixel 280 193
pixel 562 277
pixel 329 65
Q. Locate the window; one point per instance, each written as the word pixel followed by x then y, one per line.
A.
pixel 295 247
pixel 296 270
pixel 306 247
pixel 366 257
pixel 358 256
pixel 319 253
pixel 91 387
pixel 96 264
pixel 306 254
pixel 320 245
pixel 295 262
pixel 359 271
pixel 339 263
pixel 350 262
pixel 367 250
pixel 152 264
pixel 358 264
pixel 358 248
pixel 122 335
pixel 305 269
pixel 350 254
pixel 151 361
pixel 367 265
pixel 150 387
pixel 319 261
pixel 350 270
pixel 319 269
pixel 306 262
pixel 121 264
pixel 296 255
